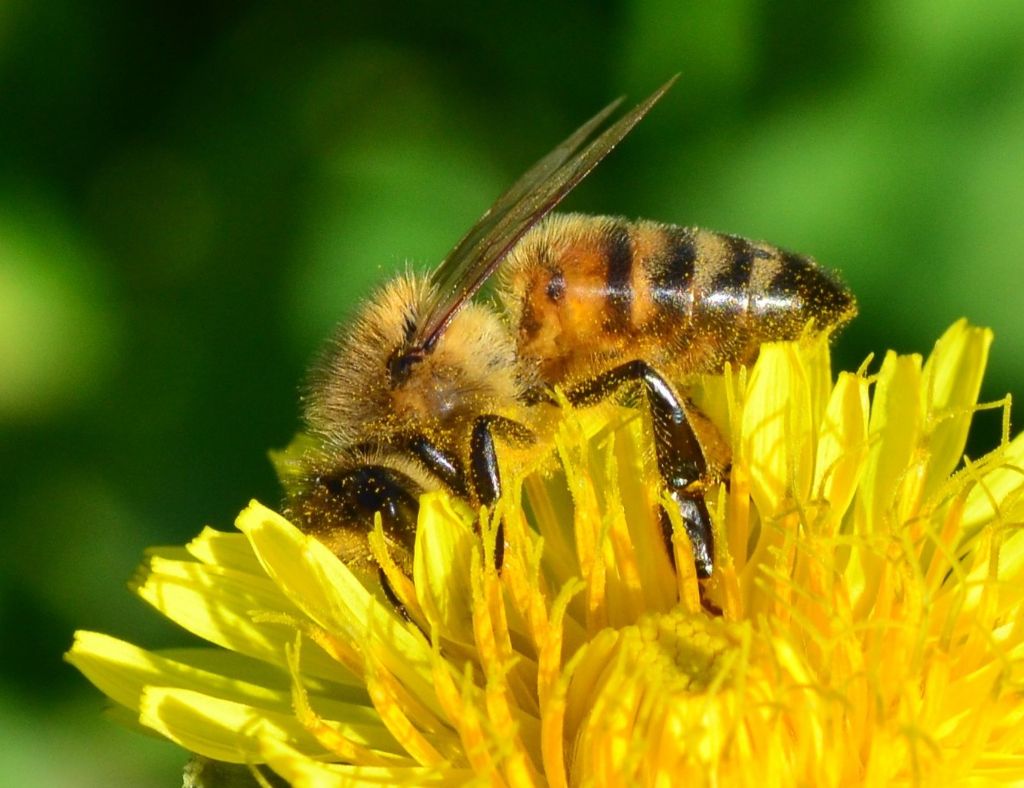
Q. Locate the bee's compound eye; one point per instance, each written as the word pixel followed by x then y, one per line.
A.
pixel 359 493
pixel 338 508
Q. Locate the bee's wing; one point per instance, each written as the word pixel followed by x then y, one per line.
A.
pixel 530 199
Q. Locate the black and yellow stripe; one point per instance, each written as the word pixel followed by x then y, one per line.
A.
pixel 592 287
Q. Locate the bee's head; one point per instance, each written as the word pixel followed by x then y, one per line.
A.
pixel 373 383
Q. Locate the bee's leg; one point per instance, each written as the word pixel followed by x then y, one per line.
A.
pixel 483 463
pixel 485 477
pixel 680 457
pixel 441 464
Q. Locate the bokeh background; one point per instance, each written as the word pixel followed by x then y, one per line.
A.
pixel 192 194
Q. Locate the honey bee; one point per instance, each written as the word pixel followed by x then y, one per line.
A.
pixel 418 392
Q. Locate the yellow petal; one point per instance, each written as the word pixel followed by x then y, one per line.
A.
pixel 220 729
pixel 325 590
pixel 999 489
pixel 228 550
pixel 893 434
pixel 639 567
pixel 217 604
pixel 228 663
pixel 444 546
pixel 303 772
pixel 842 446
pixel 777 444
pixel 776 456
pixel 122 671
pixel 952 381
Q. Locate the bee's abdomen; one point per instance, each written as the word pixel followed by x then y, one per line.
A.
pixel 764 290
pixel 592 288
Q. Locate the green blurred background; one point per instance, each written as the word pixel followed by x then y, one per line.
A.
pixel 191 194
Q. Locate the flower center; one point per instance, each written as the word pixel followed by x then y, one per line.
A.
pixel 655 697
pixel 679 650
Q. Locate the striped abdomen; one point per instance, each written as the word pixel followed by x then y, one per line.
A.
pixel 586 291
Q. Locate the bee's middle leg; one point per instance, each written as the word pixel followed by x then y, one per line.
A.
pixel 680 458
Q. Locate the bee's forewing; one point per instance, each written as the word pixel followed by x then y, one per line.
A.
pixel 466 268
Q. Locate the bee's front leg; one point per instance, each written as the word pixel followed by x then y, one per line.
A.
pixel 484 474
pixel 446 467
pixel 680 458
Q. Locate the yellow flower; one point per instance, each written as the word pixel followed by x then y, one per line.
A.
pixel 863 623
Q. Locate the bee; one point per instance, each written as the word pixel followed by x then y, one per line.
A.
pixel 418 392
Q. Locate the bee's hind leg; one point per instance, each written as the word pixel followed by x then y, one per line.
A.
pixel 680 458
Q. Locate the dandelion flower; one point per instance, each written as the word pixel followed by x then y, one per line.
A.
pixel 863 623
